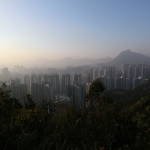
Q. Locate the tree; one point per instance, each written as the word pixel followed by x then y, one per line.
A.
pixel 29 103
pixel 7 104
pixel 96 90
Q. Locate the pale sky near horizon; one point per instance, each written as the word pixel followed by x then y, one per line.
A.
pixel 54 29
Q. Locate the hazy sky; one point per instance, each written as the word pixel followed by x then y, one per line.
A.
pixel 54 29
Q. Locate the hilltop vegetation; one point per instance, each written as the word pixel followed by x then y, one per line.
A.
pixel 104 125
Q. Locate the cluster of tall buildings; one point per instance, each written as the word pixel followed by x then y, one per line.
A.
pixel 135 75
pixel 54 86
pixel 48 87
pixel 17 90
pixel 129 77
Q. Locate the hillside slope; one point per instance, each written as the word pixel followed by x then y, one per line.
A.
pixel 129 57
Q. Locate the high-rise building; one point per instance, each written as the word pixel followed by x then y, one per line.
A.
pixel 55 83
pixel 124 69
pixel 148 72
pixel 91 74
pixel 101 72
pixel 45 78
pixel 130 73
pixel 77 79
pixel 40 79
pixel 95 74
pixel 53 79
pixel 112 72
pixel 143 72
pixel 33 78
pixel 27 82
pixel 19 91
pixel 85 77
pixel 137 72
pixel 107 72
pixel 65 83
pixel 5 74
pixel 50 79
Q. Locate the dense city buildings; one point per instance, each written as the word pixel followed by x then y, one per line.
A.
pixel 18 90
pixel 44 84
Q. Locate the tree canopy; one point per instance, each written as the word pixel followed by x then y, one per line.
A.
pixel 112 127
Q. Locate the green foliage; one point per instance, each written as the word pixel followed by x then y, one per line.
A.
pixel 29 103
pixel 96 89
pixel 95 92
pixel 7 105
pixel 105 126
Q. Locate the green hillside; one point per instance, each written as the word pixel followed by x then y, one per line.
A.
pixel 102 126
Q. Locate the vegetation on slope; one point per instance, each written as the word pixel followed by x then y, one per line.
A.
pixel 105 126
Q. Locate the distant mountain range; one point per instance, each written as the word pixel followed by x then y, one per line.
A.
pixel 129 57
pixel 68 61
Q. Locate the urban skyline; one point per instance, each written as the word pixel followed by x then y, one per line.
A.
pixel 44 84
pixel 74 74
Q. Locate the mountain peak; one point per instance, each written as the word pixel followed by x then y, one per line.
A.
pixel 129 57
pixel 126 51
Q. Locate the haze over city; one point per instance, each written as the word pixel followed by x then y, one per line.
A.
pixel 31 30
pixel 74 74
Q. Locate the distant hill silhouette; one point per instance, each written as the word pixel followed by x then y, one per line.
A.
pixel 129 57
pixel 68 61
